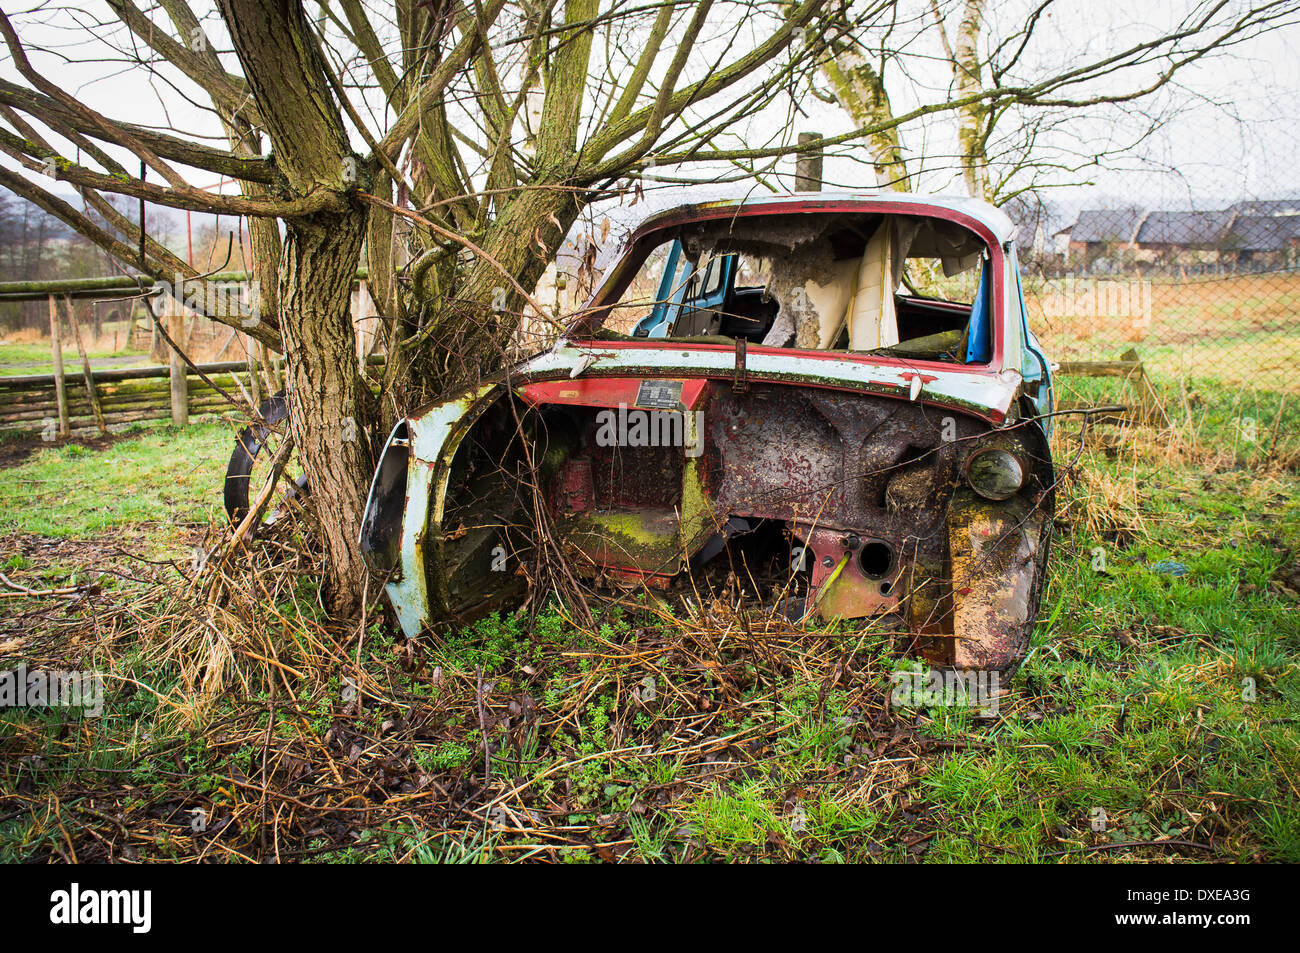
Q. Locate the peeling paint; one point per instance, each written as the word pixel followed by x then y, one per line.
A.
pixel 860 458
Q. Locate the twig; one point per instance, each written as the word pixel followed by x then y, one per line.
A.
pixel 24 591
pixel 255 511
pixel 482 725
pixel 1133 843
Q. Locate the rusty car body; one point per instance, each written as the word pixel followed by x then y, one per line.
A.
pixel 847 446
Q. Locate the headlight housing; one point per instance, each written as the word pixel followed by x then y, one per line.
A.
pixel 995 474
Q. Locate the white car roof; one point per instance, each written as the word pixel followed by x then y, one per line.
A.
pixel 993 218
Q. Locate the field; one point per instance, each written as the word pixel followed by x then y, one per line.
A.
pixel 1155 720
pixel 27 352
pixel 23 358
pixel 1237 329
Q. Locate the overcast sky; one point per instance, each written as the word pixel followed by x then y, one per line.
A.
pixel 1231 128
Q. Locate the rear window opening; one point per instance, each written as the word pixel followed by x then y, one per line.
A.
pixel 906 285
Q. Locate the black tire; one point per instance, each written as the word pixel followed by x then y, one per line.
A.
pixel 248 445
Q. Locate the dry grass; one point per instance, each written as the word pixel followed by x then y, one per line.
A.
pixel 245 725
pixel 560 740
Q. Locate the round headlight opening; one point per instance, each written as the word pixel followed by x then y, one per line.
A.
pixel 995 474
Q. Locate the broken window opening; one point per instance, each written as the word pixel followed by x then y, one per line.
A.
pixel 901 285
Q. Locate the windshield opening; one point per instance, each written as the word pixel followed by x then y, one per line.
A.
pixel 911 286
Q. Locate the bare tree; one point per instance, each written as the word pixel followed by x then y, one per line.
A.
pixel 1012 103
pixel 855 74
pixel 456 142
pixel 967 70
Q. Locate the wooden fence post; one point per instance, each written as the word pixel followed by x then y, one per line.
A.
pixel 56 345
pixel 808 165
pixel 92 395
pixel 179 389
pixel 127 394
pixel 1150 406
pixel 130 325
pixel 254 373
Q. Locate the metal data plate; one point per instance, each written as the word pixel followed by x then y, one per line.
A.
pixel 659 395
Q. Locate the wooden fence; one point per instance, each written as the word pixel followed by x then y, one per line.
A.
pixel 31 403
pixel 79 399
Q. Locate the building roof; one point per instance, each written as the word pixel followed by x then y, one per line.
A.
pixel 1107 225
pixel 1264 232
pixel 1270 207
pixel 1029 216
pixel 1185 228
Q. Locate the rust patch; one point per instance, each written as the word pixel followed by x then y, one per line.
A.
pixel 995 566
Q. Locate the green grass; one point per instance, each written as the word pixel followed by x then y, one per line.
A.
pixel 1152 709
pixel 157 475
pixel 21 359
pixel 1174 700
pixel 1148 678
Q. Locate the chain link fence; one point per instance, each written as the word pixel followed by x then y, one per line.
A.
pixel 1202 299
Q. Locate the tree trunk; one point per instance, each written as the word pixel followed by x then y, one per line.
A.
pixel 859 89
pixel 330 408
pixel 967 70
pixel 329 405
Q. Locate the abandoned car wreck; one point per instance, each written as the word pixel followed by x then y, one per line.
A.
pixel 834 397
